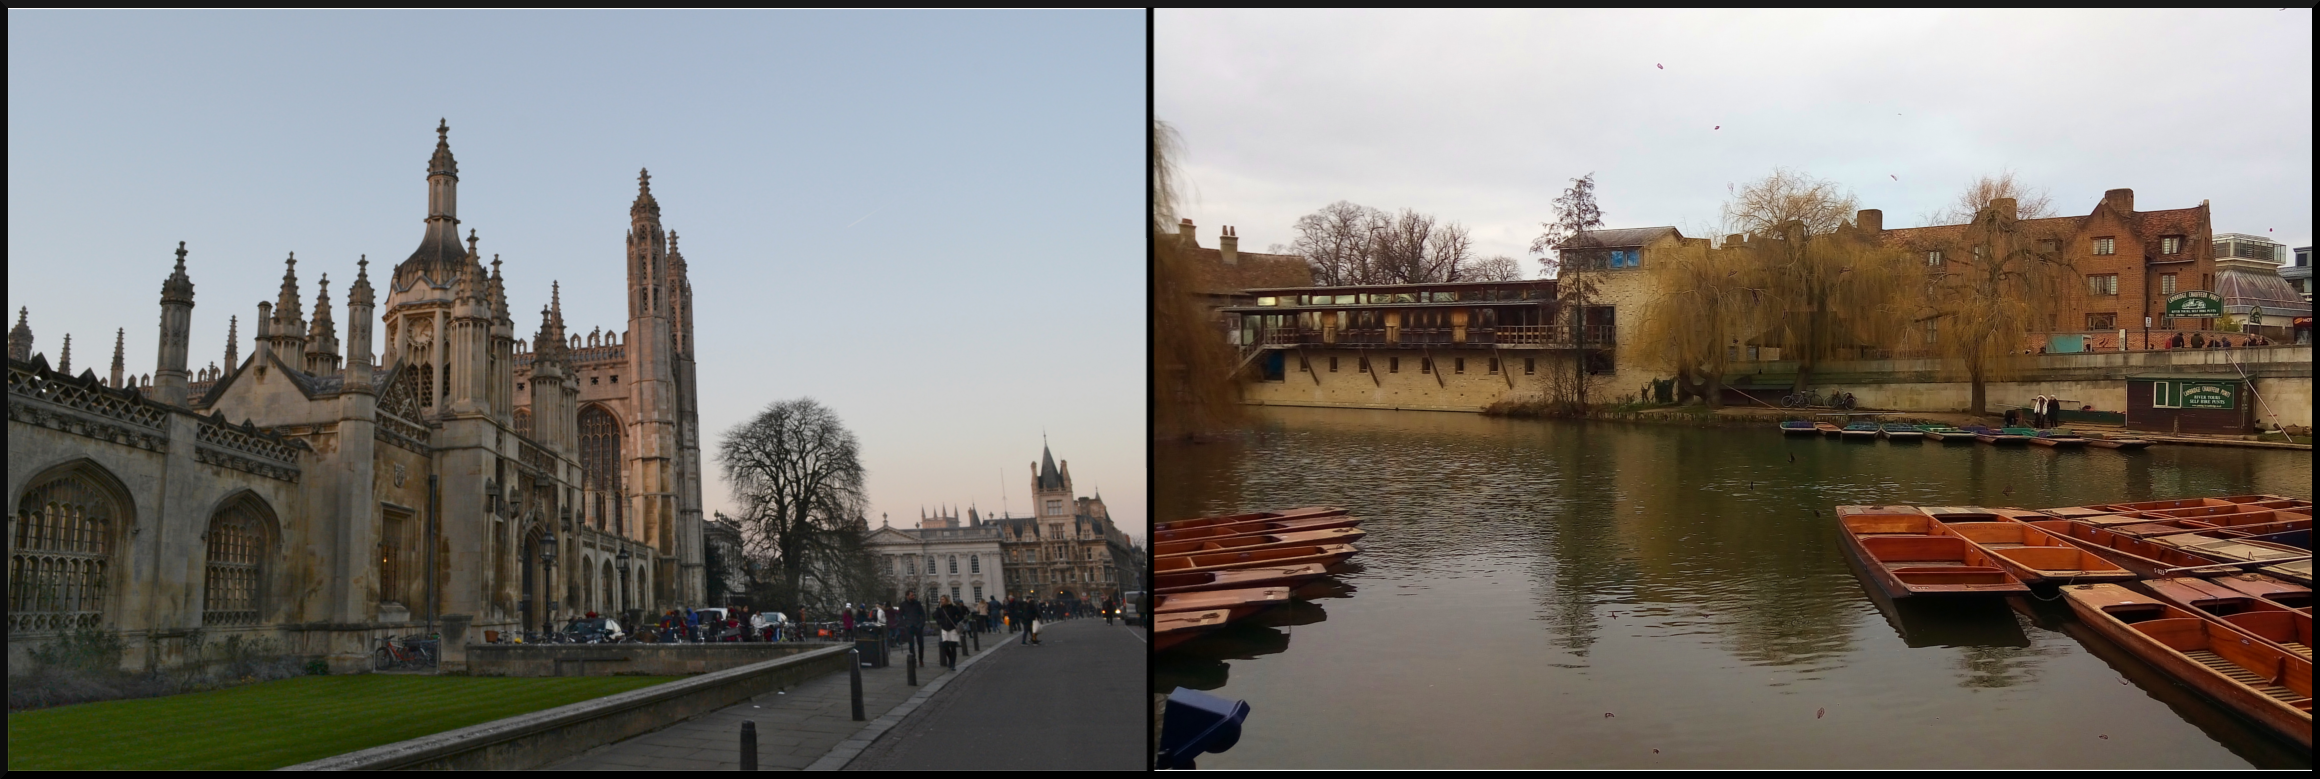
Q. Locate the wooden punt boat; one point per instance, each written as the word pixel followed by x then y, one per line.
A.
pixel 1899 555
pixel 2292 564
pixel 1895 431
pixel 2060 439
pixel 1178 627
pixel 2033 555
pixel 1264 576
pixel 2144 558
pixel 2242 525
pixel 2114 441
pixel 1860 431
pixel 1827 429
pixel 1236 603
pixel 1335 535
pixel 2283 627
pixel 1227 519
pixel 1257 527
pixel 1991 435
pixel 2265 683
pixel 2286 594
pixel 2075 512
pixel 1946 434
pixel 1324 554
pixel 1797 427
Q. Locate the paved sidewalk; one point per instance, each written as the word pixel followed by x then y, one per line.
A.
pixel 1076 702
pixel 795 727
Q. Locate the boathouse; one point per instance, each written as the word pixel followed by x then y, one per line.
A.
pixel 2190 403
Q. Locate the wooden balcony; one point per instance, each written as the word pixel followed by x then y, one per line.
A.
pixel 1513 337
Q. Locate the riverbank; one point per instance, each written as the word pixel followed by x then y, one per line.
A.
pixel 1736 416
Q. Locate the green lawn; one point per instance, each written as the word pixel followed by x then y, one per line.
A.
pixel 275 724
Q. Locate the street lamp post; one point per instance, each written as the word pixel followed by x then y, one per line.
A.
pixel 626 595
pixel 548 562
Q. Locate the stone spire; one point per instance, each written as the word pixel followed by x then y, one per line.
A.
pixel 176 332
pixel 497 292
pixel 20 339
pixel 64 364
pixel 119 337
pixel 358 330
pixel 233 343
pixel 288 330
pixel 322 338
pixel 439 251
pixel 645 206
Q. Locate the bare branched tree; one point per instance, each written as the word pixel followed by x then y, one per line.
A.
pixel 1347 243
pixel 2029 202
pixel 797 477
pixel 1570 255
pixel 1834 295
pixel 1495 268
pixel 1995 280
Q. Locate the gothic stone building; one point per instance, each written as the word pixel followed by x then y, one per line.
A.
pixel 465 478
pixel 1068 549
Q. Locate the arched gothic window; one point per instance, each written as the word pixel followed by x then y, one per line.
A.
pixel 600 448
pixel 64 546
pixel 233 579
pixel 524 422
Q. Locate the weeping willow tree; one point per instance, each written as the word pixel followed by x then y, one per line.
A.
pixel 1705 302
pixel 1192 389
pixel 1829 291
pixel 1990 292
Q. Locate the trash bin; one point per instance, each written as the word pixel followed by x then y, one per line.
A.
pixel 873 651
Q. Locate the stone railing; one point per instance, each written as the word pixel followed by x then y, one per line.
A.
pixel 401 432
pixel 37 396
pixel 214 432
pixel 535 457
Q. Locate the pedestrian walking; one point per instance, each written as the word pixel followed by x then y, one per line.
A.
pixel 913 622
pixel 951 619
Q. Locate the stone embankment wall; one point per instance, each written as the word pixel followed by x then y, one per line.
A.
pixel 2282 377
pixel 622 659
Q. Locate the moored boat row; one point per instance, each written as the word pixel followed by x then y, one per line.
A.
pixel 1211 571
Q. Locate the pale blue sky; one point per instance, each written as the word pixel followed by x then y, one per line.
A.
pixel 929 221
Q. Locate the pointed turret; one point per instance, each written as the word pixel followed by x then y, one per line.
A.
pixel 496 293
pixel 439 251
pixel 358 329
pixel 119 336
pixel 233 343
pixel 288 328
pixel 64 364
pixel 322 337
pixel 20 338
pixel 645 206
pixel 176 333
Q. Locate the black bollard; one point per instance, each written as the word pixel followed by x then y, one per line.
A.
pixel 855 669
pixel 748 745
pixel 910 665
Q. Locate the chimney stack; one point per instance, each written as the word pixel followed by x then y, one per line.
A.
pixel 1230 245
pixel 1870 220
pixel 2121 200
pixel 1184 235
pixel 1733 241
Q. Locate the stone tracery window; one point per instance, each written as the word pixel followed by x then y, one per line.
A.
pixel 524 422
pixel 600 448
pixel 64 544
pixel 231 583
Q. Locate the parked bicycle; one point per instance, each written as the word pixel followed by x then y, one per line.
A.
pixel 411 652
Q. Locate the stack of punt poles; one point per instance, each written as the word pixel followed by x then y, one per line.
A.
pixel 1212 571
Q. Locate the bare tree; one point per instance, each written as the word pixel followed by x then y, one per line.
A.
pixel 2029 202
pixel 797 476
pixel 1994 282
pixel 1830 292
pixel 1497 267
pixel 1571 254
pixel 1336 241
pixel 1347 243
pixel 1192 364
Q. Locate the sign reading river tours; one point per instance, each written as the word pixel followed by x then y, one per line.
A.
pixel 2195 304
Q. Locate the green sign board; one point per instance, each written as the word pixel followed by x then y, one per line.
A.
pixel 2195 304
pixel 2195 394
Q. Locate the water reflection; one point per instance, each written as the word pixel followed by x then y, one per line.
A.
pixel 1522 579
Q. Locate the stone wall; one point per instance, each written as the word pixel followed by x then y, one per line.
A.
pixel 624 659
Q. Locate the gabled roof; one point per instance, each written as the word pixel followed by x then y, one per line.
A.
pixel 1049 478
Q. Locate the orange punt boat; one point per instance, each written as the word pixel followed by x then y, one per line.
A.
pixel 2263 682
pixel 2144 558
pixel 1335 535
pixel 1237 603
pixel 1270 575
pixel 2031 554
pixel 1258 527
pixel 1899 553
pixel 1324 554
pixel 1178 627
pixel 2284 627
pixel 1227 519
pixel 2286 594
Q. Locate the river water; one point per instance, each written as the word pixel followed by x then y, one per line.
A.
pixel 1586 594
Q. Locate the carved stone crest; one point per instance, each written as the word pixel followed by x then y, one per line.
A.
pixel 401 474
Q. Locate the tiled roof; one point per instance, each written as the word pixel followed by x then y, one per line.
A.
pixel 1250 270
pixel 2178 221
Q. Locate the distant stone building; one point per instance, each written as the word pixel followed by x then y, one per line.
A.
pixel 1068 549
pixel 473 479
pixel 942 556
